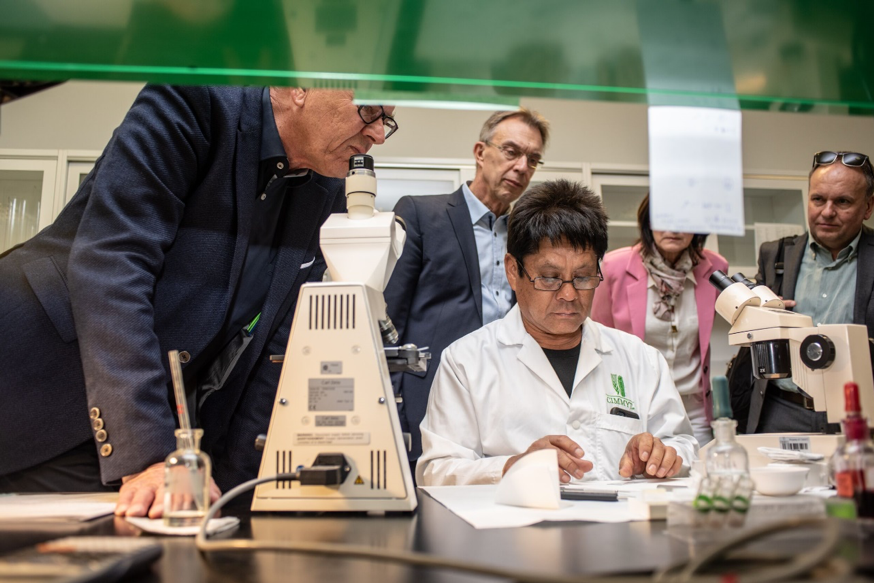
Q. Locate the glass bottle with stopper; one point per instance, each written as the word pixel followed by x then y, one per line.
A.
pixel 188 470
pixel 726 491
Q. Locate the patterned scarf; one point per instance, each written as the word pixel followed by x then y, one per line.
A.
pixel 669 281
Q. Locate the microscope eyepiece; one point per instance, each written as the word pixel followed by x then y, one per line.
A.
pixel 364 161
pixel 719 280
pixel 741 278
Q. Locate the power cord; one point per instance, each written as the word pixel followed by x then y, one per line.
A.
pixel 799 565
pixel 683 573
pixel 348 551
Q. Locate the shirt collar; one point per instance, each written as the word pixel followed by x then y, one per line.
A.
pixel 475 206
pixel 511 331
pixel 845 253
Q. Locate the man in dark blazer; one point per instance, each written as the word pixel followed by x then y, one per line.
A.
pixel 194 232
pixel 827 274
pixel 450 279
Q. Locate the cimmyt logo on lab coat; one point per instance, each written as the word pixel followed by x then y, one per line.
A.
pixel 619 398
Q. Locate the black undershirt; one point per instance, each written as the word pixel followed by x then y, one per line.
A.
pixel 565 364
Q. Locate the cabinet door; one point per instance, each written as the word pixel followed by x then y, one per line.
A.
pixel 392 183
pixel 621 195
pixel 27 190
pixel 76 173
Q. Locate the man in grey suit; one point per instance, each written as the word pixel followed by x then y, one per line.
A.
pixel 828 275
pixel 450 279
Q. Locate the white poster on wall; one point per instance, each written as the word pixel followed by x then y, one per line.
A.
pixel 696 178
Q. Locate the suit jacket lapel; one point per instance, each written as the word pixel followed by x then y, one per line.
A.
pixel 246 172
pixel 864 275
pixel 793 253
pixel 459 216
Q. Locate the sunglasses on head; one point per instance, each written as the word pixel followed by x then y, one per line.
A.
pixel 851 159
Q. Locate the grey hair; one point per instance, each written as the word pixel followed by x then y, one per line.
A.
pixel 528 116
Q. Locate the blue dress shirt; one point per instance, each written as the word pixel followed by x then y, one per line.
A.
pixel 490 233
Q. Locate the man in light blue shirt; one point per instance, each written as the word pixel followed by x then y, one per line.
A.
pixel 828 275
pixel 450 279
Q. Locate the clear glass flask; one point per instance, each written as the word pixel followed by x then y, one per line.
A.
pixel 728 484
pixel 187 474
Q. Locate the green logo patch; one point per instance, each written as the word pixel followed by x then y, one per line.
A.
pixel 618 384
pixel 619 398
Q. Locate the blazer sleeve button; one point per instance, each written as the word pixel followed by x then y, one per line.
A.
pixel 101 435
pixel 106 450
pixel 97 424
pixel 184 356
pixel 94 413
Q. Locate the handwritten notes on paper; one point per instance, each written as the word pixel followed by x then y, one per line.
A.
pixel 696 179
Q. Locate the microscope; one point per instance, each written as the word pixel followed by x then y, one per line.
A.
pixel 335 405
pixel 819 359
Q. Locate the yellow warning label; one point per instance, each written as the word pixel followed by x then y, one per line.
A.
pixel 358 481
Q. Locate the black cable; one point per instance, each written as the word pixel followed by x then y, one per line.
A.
pixel 818 556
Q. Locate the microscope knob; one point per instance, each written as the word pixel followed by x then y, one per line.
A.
pixel 817 351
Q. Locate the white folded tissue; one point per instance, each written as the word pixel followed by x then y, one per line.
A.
pixel 532 482
pixel 785 455
pixel 157 526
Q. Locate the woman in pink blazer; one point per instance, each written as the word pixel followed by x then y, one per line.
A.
pixel 659 291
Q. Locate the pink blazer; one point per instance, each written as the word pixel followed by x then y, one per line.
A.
pixel 620 300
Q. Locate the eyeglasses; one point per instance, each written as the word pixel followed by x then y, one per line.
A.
pixel 372 113
pixel 511 152
pixel 554 284
pixel 851 159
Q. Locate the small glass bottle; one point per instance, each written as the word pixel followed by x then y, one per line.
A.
pixel 727 465
pixel 853 462
pixel 187 474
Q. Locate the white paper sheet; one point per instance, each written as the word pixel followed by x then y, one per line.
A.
pixel 476 505
pixel 695 172
pixel 56 507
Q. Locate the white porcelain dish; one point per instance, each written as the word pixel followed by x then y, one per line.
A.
pixel 779 480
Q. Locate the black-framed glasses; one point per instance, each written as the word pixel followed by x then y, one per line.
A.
pixel 851 159
pixel 512 152
pixel 554 284
pixel 372 113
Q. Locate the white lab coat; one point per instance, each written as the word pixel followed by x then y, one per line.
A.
pixel 495 393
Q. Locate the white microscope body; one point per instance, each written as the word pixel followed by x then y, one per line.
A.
pixel 820 359
pixel 335 393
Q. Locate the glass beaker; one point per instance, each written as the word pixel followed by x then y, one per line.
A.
pixel 187 474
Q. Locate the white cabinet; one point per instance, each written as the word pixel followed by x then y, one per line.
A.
pixel 396 180
pixel 27 195
pixel 771 200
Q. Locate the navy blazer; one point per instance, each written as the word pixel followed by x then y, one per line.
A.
pixel 434 296
pixel 748 404
pixel 145 259
pixel 793 254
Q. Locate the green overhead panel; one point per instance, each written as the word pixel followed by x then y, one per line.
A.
pixel 773 54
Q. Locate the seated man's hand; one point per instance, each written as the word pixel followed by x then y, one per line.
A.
pixel 570 456
pixel 143 494
pixel 647 455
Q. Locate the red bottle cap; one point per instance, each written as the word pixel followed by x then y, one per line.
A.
pixel 851 398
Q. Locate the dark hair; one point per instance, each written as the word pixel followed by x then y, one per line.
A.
pixel 558 210
pixel 647 241
pixel 867 172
